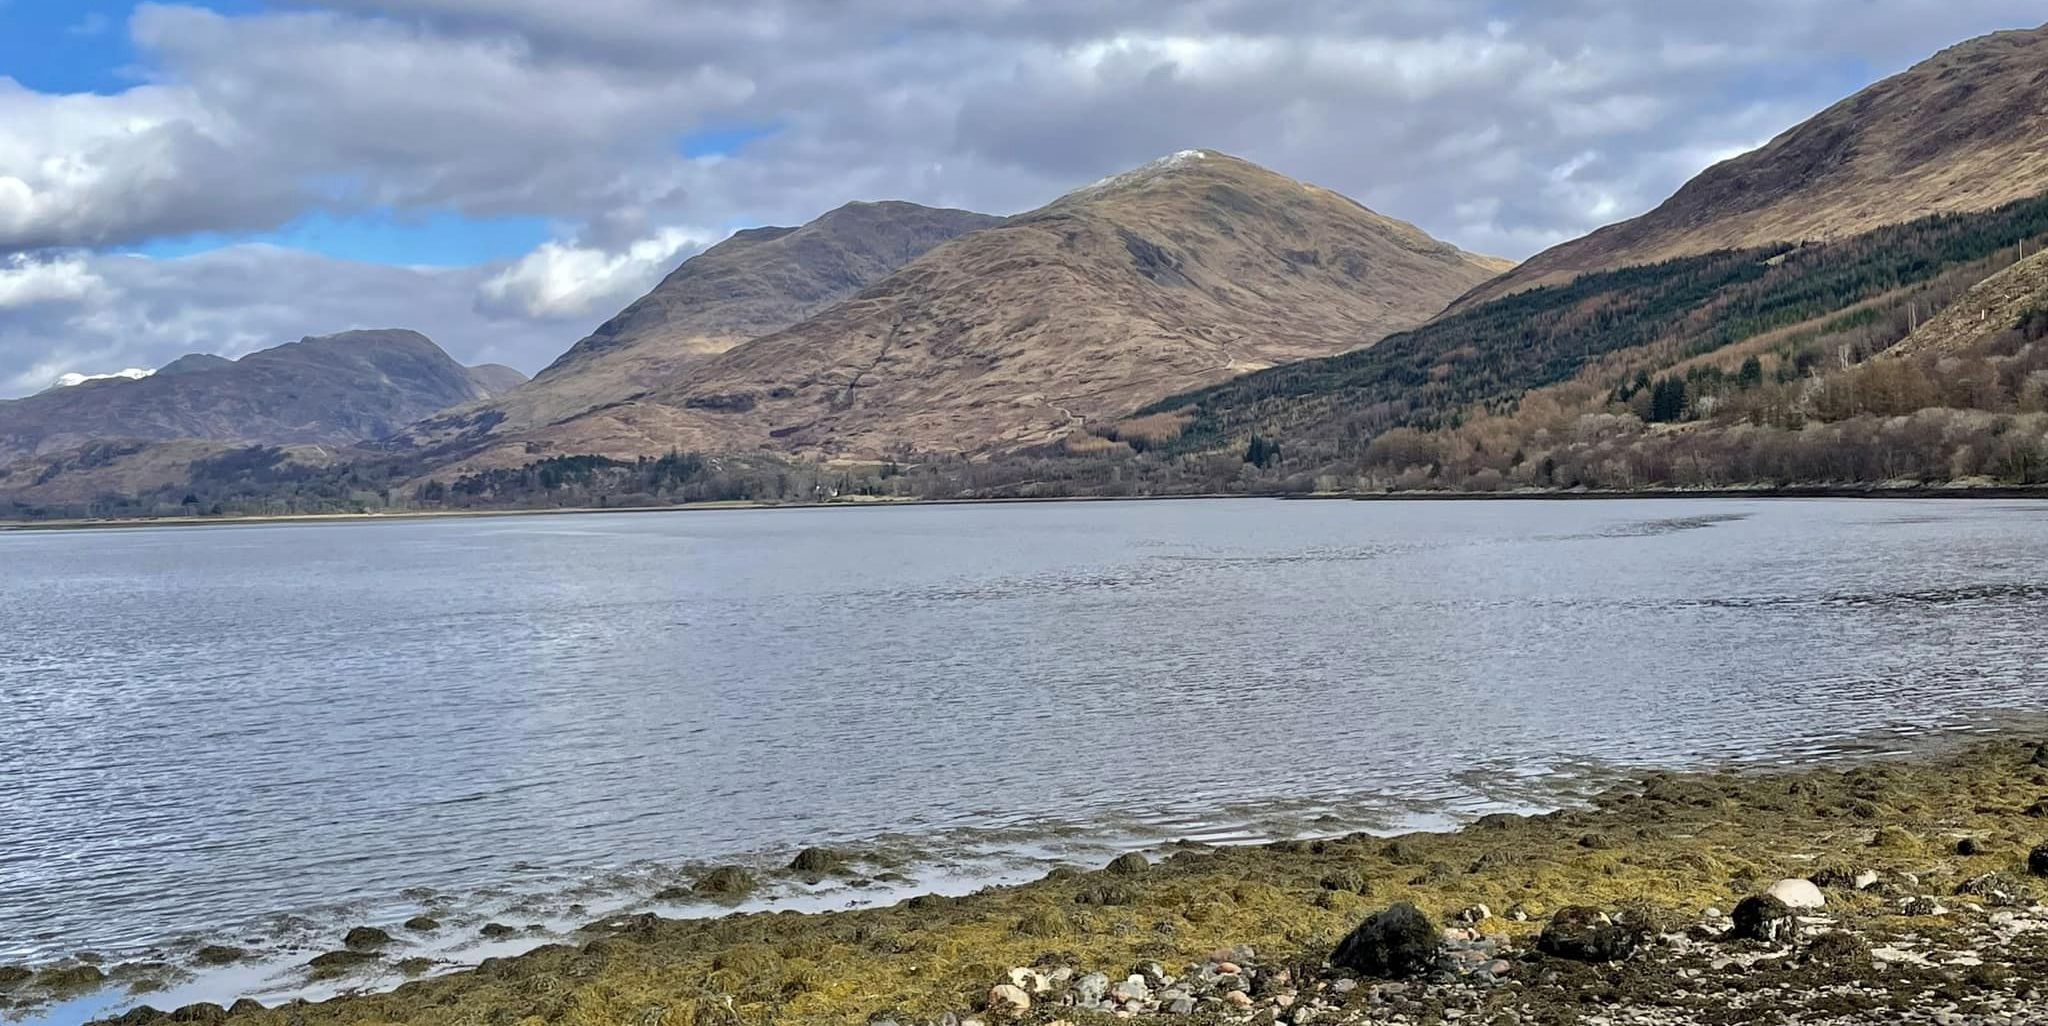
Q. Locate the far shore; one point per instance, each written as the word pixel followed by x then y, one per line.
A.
pixel 1801 492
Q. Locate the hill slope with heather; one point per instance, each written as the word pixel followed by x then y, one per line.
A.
pixel 1184 272
pixel 756 282
pixel 1965 130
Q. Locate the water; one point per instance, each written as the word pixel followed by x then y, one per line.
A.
pixel 203 728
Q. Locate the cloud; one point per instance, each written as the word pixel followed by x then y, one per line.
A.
pixel 25 282
pixel 1502 125
pixel 563 280
pixel 137 311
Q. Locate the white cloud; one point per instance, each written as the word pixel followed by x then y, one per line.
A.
pixel 144 312
pixel 24 282
pixel 566 280
pixel 1455 114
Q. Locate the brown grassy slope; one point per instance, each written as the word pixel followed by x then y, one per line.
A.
pixel 1964 130
pixel 756 282
pixel 1178 274
pixel 1993 306
pixel 329 390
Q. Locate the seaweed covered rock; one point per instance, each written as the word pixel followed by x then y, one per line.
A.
pixel 725 882
pixel 218 954
pixel 1130 863
pixel 423 924
pixel 1394 944
pixel 202 1012
pixel 365 938
pixel 1585 934
pixel 818 861
pixel 1766 919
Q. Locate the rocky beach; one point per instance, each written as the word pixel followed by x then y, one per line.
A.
pixel 1906 889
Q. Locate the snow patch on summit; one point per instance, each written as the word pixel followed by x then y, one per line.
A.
pixel 1140 175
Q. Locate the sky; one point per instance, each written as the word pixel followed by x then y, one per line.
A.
pixel 227 175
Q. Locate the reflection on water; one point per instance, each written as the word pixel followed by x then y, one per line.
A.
pixel 262 732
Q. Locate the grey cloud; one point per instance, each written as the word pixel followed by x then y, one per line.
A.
pixel 1503 127
pixel 87 313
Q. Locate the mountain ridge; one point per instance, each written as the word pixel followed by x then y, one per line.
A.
pixel 1173 274
pixel 1964 130
pixel 328 389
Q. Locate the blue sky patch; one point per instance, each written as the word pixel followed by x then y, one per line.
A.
pixel 723 140
pixel 443 239
pixel 78 46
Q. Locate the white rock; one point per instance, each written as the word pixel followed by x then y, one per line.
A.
pixel 1867 879
pixel 1798 894
pixel 1008 999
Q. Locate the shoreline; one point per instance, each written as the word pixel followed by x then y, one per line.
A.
pixel 1995 493
pixel 1678 848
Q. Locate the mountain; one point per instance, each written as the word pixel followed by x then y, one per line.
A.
pixel 1965 130
pixel 756 282
pixel 334 389
pixel 1180 273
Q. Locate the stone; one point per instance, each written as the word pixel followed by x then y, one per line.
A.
pixel 365 938
pixel 1765 918
pixel 1091 988
pixel 1132 990
pixel 498 931
pixel 724 882
pixel 817 861
pixel 1178 1004
pixel 1007 1000
pixel 1397 943
pixel 423 924
pixel 1475 915
pixel 218 954
pixel 204 1012
pixel 1798 894
pixel 1238 999
pixel 1130 863
pixel 1030 981
pixel 1969 847
pixel 1867 879
pixel 1585 934
pixel 2037 861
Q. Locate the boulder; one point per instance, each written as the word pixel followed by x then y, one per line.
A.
pixel 817 861
pixel 1765 918
pixel 1798 894
pixel 1008 1001
pixel 365 938
pixel 1130 863
pixel 1585 934
pixel 724 882
pixel 1394 944
pixel 423 924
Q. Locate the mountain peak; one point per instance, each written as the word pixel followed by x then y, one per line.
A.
pixel 1961 131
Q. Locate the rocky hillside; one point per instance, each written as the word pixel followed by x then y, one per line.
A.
pixel 1187 271
pixel 1995 306
pixel 758 281
pixel 334 389
pixel 1964 130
